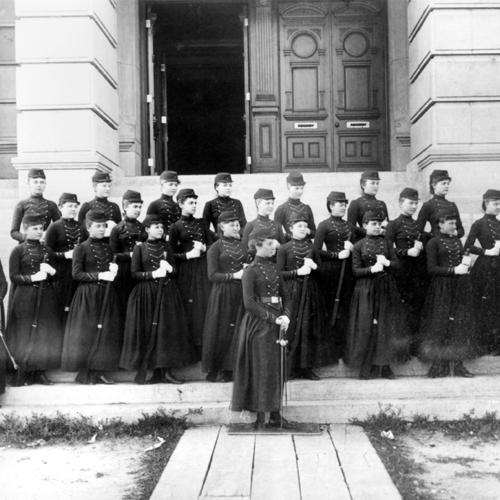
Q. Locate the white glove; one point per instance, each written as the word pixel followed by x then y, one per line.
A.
pixel 304 270
pixel 377 268
pixel 47 268
pixel 461 269
pixel 193 254
pixel 39 276
pixel 381 259
pixel 466 260
pixel 159 273
pixel 113 267
pixel 68 254
pixel 163 264
pixel 238 275
pixel 492 252
pixel 198 245
pixel 384 223
pixel 348 245
pixel 309 262
pixel 418 245
pixel 344 254
pixel 107 276
pixel 283 321
pixel 413 252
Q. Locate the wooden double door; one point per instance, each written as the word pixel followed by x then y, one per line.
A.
pixel 332 59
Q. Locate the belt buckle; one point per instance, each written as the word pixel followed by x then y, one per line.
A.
pixel 274 300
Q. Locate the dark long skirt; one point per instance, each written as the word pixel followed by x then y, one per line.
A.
pixel 329 276
pixel 257 368
pixel 485 278
pixel 412 282
pixel 171 347
pixel 448 327
pixel 124 284
pixel 307 331
pixel 65 287
pixel 378 331
pixel 224 312
pixel 83 349
pixel 3 367
pixel 40 350
pixel 194 286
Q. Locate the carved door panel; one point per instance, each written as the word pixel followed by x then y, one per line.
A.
pixel 358 79
pixel 305 83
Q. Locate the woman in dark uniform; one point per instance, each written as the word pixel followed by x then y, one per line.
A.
pixel 166 207
pixel 225 258
pixel 158 343
pixel 90 347
pixel 62 237
pixel 123 239
pixel 333 242
pixel 439 185
pixel 223 184
pixel 36 203
pixel 3 353
pixel 485 274
pixel 378 332
pixel 264 201
pixel 189 238
pixel 297 262
pixel 448 327
pixel 411 276
pixel 370 183
pixel 101 183
pixel 257 384
pixel 34 332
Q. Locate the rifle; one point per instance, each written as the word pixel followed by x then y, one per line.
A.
pixel 2 338
pixel 283 370
pixel 97 339
pixel 336 303
pixel 140 378
pixel 20 376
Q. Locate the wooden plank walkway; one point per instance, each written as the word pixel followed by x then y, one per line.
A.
pixel 339 464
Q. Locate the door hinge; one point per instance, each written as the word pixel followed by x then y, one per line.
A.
pixel 151 162
pixel 148 23
pixel 164 119
pixel 249 160
pixel 163 68
pixel 247 96
pixel 149 98
pixel 245 22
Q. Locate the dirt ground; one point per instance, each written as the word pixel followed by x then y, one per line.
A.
pixel 102 470
pixel 453 469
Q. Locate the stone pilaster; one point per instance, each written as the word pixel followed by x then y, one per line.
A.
pixel 67 98
pixel 454 72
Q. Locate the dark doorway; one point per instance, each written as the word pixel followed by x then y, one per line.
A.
pixel 200 48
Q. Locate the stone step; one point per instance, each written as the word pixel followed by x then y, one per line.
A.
pixel 327 400
pixel 486 365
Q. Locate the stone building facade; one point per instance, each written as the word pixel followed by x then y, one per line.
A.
pixel 134 87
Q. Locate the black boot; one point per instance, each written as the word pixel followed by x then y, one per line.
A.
pixel 170 378
pixel 227 376
pixel 40 377
pixel 211 376
pixel 260 422
pixel 100 377
pixel 277 421
pixel 386 372
pixel 459 370
pixel 309 374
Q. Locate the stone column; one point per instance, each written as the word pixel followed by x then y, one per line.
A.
pixel 454 71
pixel 67 98
pixel 397 60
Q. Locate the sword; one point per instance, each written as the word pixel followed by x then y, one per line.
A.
pixel 339 289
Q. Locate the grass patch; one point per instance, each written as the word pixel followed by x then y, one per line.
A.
pixel 394 454
pixel 21 431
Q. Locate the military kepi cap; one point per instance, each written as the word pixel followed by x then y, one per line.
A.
pixel 32 219
pixel 336 196
pixel 227 216
pixel 68 198
pixel 370 175
pixel 295 179
pixel 132 196
pixel 491 194
pixel 261 233
pixel 151 219
pixel 373 215
pixel 101 177
pixel 409 193
pixel 169 176
pixel 263 194
pixel 96 216
pixel 186 193
pixel 446 214
pixel 439 175
pixel 36 173
pixel 223 177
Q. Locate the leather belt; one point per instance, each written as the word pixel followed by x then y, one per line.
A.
pixel 269 300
